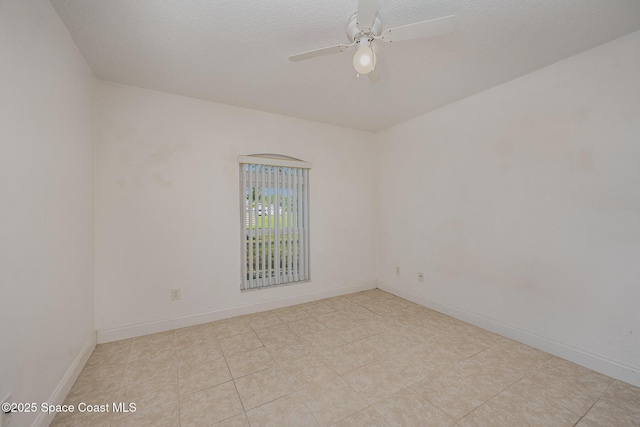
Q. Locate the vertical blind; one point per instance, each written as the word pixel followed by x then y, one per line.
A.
pixel 274 207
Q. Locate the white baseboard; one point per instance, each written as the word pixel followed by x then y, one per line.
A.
pixel 592 361
pixel 61 391
pixel 141 329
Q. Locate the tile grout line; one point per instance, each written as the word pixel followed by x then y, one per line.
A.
pixel 594 404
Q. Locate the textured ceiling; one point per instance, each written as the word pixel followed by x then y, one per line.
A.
pixel 236 52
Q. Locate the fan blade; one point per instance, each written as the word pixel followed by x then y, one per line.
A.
pixel 433 27
pixel 367 11
pixel 319 52
pixel 374 76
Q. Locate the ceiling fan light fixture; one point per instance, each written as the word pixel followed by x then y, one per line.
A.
pixel 364 61
pixel 365 27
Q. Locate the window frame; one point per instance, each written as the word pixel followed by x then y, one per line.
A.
pixel 289 178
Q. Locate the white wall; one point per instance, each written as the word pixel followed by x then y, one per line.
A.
pixel 167 212
pixel 521 205
pixel 46 204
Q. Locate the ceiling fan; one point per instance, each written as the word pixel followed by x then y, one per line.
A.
pixel 365 27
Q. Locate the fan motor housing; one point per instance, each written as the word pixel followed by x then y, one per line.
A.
pixel 354 33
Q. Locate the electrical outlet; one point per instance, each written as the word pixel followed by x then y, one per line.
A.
pixel 420 277
pixel 5 417
pixel 398 271
pixel 175 294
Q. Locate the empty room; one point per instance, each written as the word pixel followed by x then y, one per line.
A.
pixel 338 213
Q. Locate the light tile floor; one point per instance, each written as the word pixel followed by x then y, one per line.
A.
pixel 365 359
